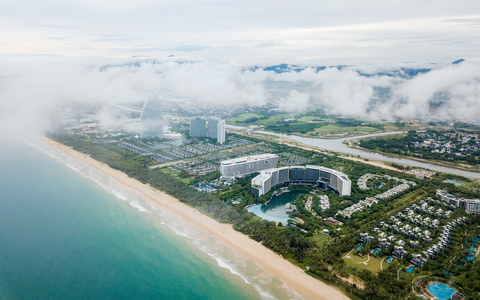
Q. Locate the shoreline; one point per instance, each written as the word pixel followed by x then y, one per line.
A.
pixel 270 262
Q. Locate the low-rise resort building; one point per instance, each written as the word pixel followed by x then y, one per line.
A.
pixel 312 175
pixel 241 166
pixel 472 206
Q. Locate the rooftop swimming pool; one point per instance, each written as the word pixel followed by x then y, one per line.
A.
pixel 441 291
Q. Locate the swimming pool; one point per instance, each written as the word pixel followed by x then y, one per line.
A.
pixel 274 210
pixel 457 183
pixel 259 212
pixel 441 291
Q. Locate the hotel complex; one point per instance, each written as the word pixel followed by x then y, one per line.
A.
pixel 320 176
pixel 215 126
pixel 247 165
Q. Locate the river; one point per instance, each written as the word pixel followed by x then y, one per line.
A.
pixel 338 145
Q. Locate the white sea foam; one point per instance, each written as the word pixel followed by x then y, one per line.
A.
pixel 293 293
pixel 137 206
pixel 179 232
pixel 224 265
pixel 264 294
pixel 70 166
pixel 118 194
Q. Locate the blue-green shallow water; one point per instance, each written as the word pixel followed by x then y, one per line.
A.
pixel 441 291
pixel 275 209
pixel 63 237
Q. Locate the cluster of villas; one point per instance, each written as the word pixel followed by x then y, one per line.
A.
pixel 324 204
pixel 448 143
pixel 360 206
pixel 369 201
pixel 398 251
pixel 445 237
pixel 472 206
pixel 133 148
pixel 362 181
pixel 410 226
pixel 271 176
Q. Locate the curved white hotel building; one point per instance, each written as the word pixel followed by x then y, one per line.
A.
pixel 246 165
pixel 320 176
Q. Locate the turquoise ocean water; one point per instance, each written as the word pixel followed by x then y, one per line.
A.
pixel 69 232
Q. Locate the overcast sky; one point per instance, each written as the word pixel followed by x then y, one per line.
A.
pixel 262 32
pixel 53 51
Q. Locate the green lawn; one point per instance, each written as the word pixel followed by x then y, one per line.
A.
pixel 186 180
pixel 310 119
pixel 241 118
pixel 320 239
pixel 271 120
pixel 332 128
pixel 169 171
pixel 373 264
pixel 175 174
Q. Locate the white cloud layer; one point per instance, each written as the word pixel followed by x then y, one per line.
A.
pixel 30 88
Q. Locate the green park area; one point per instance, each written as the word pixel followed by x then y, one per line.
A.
pixel 307 125
pixel 320 239
pixel 367 262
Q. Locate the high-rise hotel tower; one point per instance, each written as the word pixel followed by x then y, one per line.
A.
pixel 151 120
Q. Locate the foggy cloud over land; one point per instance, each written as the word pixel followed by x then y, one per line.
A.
pixel 31 88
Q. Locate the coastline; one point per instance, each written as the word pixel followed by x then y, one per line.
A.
pixel 273 265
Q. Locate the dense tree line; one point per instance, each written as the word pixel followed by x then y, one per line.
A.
pixel 404 145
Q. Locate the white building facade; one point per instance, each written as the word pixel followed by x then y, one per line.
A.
pixel 247 165
pixel 216 129
pixel 320 176
pixel 211 127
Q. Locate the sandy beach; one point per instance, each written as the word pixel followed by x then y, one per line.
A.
pixel 273 265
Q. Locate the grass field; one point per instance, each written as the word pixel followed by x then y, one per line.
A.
pixel 251 118
pixel 332 128
pixel 243 117
pixel 320 239
pixel 175 174
pixel 310 119
pixel 321 129
pixel 308 126
pixel 373 264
